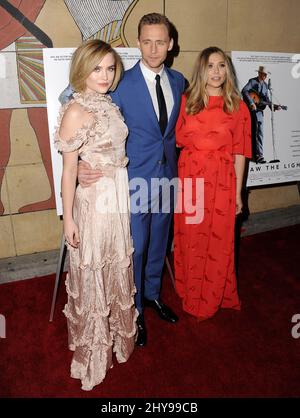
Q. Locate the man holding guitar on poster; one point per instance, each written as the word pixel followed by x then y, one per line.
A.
pixel 256 95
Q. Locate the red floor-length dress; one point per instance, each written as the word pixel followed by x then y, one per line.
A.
pixel 204 251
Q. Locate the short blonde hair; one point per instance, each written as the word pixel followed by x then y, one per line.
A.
pixel 197 96
pixel 85 59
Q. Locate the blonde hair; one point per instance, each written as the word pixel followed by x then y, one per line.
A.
pixel 196 94
pixel 85 59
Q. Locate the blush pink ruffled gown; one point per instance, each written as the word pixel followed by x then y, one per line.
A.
pixel 100 310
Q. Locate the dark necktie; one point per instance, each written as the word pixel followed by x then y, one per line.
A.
pixel 163 114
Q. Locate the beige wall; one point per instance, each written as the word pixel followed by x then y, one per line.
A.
pixel 269 25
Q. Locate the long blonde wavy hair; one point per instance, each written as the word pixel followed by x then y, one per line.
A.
pixel 196 94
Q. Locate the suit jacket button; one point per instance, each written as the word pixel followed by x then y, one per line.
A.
pixel 159 161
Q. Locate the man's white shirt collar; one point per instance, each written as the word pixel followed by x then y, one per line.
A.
pixel 149 74
pixel 149 77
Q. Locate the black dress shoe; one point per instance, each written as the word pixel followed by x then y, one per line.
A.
pixel 164 312
pixel 141 332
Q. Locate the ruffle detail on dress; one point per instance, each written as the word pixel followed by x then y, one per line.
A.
pixel 104 313
pixel 72 144
pixel 87 339
pixel 92 339
pixel 93 101
pixel 95 254
pixel 124 302
pixel 76 321
pixel 82 341
pixel 129 334
pixel 89 132
pixel 79 138
pixel 96 102
pixel 119 291
pixel 124 306
pixel 74 294
pixel 91 366
pixel 123 262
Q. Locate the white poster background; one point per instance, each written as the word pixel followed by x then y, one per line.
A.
pixel 56 67
pixel 285 81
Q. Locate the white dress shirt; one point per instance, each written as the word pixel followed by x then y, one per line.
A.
pixel 149 77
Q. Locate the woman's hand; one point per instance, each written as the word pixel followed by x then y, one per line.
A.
pixel 71 233
pixel 238 204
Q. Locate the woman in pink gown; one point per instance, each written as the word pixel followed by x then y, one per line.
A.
pixel 100 309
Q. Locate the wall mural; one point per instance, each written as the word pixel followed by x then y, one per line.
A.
pixel 102 19
pixel 21 42
pixel 22 75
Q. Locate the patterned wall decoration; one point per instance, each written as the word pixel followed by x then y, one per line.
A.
pixel 30 70
pixel 22 95
pixel 101 19
pixel 24 86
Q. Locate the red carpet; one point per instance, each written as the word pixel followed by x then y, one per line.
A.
pixel 243 354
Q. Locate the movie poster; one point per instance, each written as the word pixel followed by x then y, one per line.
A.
pixel 56 67
pixel 270 85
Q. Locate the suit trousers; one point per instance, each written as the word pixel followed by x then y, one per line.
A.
pixel 150 232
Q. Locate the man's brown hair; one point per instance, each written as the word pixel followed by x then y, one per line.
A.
pixel 154 19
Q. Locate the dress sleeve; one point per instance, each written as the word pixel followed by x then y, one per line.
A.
pixel 242 133
pixel 180 125
pixel 73 143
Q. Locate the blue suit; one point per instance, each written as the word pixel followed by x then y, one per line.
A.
pixel 151 155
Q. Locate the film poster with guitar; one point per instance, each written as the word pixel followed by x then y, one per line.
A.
pixel 274 114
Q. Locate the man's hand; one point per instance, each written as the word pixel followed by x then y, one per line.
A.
pixel 253 106
pixel 86 175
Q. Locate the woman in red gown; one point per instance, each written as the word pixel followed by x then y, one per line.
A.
pixel 214 132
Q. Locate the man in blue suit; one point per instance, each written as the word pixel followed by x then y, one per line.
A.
pixel 150 106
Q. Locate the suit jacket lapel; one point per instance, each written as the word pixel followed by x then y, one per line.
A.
pixel 144 96
pixel 176 99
